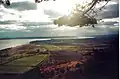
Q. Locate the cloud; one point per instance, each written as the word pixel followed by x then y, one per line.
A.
pixel 35 23
pixel 38 31
pixel 12 27
pixel 109 21
pixel 7 22
pixel 52 14
pixel 98 30
pixel 110 11
pixel 8 14
pixel 34 16
pixel 23 19
pixel 24 5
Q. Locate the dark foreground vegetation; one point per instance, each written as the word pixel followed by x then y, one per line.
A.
pixel 95 58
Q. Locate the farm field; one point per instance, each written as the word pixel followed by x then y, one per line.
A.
pixel 22 64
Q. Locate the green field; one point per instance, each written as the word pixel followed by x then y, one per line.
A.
pixel 23 64
pixel 60 47
pixel 28 62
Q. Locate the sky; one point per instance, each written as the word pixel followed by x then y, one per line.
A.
pixel 24 18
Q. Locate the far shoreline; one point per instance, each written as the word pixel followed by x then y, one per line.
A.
pixel 29 40
pixel 43 39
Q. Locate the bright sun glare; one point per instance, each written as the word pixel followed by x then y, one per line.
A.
pixel 64 7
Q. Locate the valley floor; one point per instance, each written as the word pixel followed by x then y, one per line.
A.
pixel 74 59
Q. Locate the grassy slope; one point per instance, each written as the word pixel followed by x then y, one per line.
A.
pixel 23 64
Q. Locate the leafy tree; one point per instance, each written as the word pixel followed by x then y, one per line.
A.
pixel 80 15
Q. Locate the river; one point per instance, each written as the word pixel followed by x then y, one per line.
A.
pixel 15 42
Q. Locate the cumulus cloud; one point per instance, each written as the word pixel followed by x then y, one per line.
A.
pixel 24 19
pixel 52 14
pixel 22 13
pixel 109 21
pixel 37 31
pixel 24 5
pixel 12 27
pixel 35 23
pixel 111 11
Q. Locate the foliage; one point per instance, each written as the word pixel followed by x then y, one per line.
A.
pixel 82 15
pixel 75 20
